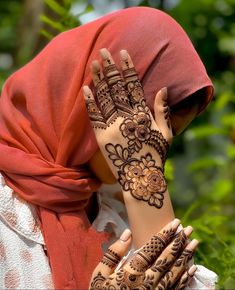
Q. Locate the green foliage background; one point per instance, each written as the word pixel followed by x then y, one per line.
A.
pixel 201 167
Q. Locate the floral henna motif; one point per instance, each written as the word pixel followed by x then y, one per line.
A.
pixel 141 177
pixel 137 129
pixel 111 259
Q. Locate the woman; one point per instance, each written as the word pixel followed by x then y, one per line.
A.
pixel 46 139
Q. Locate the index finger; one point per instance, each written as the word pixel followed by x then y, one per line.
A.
pixel 145 257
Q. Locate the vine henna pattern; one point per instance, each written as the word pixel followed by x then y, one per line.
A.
pixel 179 243
pixel 142 177
pixel 166 281
pixel 185 257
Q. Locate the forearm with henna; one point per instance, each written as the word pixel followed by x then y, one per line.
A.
pixel 132 143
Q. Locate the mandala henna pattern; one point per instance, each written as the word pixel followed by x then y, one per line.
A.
pixel 142 177
pixel 111 259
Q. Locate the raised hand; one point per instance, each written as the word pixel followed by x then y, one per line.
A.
pixel 162 263
pixel 133 143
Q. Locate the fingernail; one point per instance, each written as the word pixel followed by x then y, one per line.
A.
pixel 193 244
pixel 175 224
pixel 164 93
pixel 192 270
pixel 86 90
pixel 104 53
pixel 188 230
pixel 95 66
pixel 125 236
pixel 124 55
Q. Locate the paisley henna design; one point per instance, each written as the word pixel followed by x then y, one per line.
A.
pixel 97 282
pixel 179 243
pixel 185 257
pixel 142 177
pixel 111 259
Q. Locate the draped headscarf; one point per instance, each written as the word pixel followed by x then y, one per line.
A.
pixel 45 135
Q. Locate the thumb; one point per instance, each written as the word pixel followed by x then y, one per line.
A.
pixel 162 114
pixel 114 255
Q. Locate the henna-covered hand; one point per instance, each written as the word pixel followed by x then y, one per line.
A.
pixel 162 263
pixel 134 144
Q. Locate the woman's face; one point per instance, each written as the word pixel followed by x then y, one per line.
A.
pixel 181 117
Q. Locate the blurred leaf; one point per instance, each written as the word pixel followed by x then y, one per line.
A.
pixel 169 170
pixel 55 6
pixel 204 131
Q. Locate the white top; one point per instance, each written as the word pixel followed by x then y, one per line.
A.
pixel 23 262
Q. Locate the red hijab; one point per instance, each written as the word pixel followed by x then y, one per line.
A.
pixel 45 135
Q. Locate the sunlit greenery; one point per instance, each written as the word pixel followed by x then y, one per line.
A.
pixel 203 190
